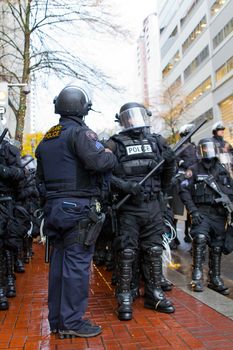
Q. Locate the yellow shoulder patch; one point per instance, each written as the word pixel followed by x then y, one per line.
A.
pixel 53 132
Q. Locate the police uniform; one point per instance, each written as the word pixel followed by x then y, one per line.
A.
pixel 140 222
pixel 209 219
pixel 10 237
pixel 70 163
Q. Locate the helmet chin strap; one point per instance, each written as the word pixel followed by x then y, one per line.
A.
pixel 91 109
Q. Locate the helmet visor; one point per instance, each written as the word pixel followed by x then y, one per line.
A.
pixel 207 150
pixel 133 118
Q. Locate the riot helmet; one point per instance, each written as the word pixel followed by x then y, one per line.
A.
pixel 132 116
pixel 185 129
pixel 28 163
pixel 217 126
pixel 207 149
pixel 73 100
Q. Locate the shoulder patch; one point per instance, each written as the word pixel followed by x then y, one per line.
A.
pixel 188 174
pixel 91 135
pixel 53 132
pixel 98 145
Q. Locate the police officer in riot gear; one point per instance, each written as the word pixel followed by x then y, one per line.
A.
pixel 188 156
pixel 218 133
pixel 208 215
pixel 185 159
pixel 140 222
pixel 70 163
pixel 10 176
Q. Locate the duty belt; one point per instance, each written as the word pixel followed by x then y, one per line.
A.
pixel 210 209
pixel 148 197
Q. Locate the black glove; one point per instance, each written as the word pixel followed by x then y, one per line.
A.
pixel 196 218
pixel 132 187
pixel 11 173
pixel 169 155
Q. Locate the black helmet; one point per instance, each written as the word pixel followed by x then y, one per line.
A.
pixel 217 126
pixel 133 116
pixel 207 149
pixel 185 129
pixel 73 100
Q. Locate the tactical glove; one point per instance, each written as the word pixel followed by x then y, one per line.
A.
pixel 11 173
pixel 169 155
pixel 130 187
pixel 196 218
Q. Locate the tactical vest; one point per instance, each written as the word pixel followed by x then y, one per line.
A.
pixel 202 193
pixel 62 169
pixel 137 157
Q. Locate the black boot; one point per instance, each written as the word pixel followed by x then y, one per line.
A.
pixel 154 297
pixel 198 249
pixel 136 275
pixel 3 298
pixel 215 281
pixel 166 285
pixel 10 277
pixel 19 265
pixel 124 277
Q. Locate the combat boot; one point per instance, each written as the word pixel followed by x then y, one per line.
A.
pixel 10 277
pixel 215 281
pixel 19 265
pixel 154 297
pixel 198 249
pixel 123 290
pixel 4 305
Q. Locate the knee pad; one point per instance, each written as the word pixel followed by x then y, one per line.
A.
pixel 155 251
pixel 127 254
pixel 216 250
pixel 200 239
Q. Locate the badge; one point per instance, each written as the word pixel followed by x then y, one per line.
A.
pixel 188 173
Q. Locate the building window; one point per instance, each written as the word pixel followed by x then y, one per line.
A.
pixel 195 34
pixel 224 69
pixel 201 90
pixel 227 29
pixel 189 12
pixel 217 5
pixel 226 108
pixel 196 62
pixel 175 59
pixel 172 89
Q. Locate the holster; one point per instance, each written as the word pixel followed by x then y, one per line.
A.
pixel 94 228
pixel 90 228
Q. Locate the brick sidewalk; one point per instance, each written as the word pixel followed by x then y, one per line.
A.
pixel 193 326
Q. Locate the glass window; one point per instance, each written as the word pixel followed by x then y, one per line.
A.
pixel 223 33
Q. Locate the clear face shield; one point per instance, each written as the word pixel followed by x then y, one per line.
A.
pixel 226 159
pixel 207 150
pixel 133 118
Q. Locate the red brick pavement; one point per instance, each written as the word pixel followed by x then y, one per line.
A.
pixel 193 326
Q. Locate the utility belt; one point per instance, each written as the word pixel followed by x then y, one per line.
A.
pixel 211 209
pixel 150 196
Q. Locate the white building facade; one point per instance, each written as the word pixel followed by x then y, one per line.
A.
pixel 148 67
pixel 196 45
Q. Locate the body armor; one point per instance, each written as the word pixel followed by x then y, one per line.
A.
pixel 66 173
pixel 136 157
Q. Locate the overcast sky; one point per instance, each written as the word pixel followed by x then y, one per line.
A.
pixel 116 58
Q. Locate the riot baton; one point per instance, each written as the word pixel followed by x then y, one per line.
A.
pixel 3 135
pixel 177 149
pixel 29 161
pixel 47 250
